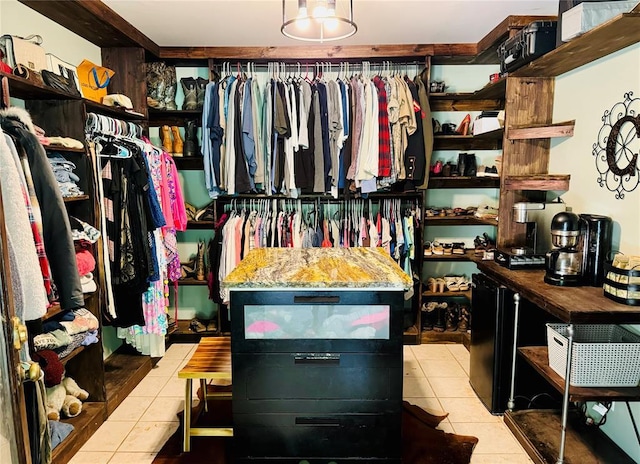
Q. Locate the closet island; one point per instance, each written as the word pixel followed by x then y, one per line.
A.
pixel 316 343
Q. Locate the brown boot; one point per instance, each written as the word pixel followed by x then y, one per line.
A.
pixel 177 141
pixel 165 136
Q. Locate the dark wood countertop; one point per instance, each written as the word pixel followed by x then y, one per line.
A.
pixel 579 305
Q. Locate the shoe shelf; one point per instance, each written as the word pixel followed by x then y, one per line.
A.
pixel 436 182
pixel 537 430
pixel 183 334
pixel 75 198
pixel 191 281
pixel 200 225
pixel 541 131
pixel 190 163
pixel 538 357
pixel 171 117
pixel 450 257
pixel 427 295
pixel 459 221
pixel 466 142
pixel 542 182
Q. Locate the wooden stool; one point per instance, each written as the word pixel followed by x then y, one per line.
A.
pixel 212 360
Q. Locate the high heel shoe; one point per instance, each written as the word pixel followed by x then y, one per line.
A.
pixel 200 270
pixel 463 128
pixel 188 269
pixel 191 211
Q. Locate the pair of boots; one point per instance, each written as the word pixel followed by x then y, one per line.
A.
pixel 194 92
pixel 467 165
pixel 195 268
pixel 161 86
pixel 176 146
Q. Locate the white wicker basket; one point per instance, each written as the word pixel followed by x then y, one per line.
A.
pixel 604 355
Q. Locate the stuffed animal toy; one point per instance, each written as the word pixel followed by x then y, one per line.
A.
pixel 66 398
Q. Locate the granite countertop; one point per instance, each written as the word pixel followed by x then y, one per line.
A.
pixel 318 268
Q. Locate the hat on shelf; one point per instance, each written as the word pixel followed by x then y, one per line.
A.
pixel 51 365
pixel 118 100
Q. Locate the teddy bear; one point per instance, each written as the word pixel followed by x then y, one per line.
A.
pixel 66 397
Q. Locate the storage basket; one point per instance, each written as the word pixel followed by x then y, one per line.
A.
pixel 604 355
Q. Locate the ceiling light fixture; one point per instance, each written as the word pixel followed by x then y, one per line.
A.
pixel 325 23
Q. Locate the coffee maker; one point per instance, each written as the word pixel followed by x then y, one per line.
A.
pixel 597 246
pixel 564 264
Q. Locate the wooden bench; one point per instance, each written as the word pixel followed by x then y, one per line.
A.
pixel 211 361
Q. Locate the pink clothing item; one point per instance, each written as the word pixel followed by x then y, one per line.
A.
pixel 85 261
pixel 262 327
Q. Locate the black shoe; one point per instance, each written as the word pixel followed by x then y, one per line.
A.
pixel 462 163
pixel 191 147
pixel 470 168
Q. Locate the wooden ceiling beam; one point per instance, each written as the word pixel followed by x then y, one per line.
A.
pixel 95 22
pixel 404 51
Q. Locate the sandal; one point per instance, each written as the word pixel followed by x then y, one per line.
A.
pixel 447 248
pixel 440 283
pixel 452 283
pixel 437 248
pixel 431 283
pixel 427 249
pixel 458 248
pixel 196 326
pixel 464 284
pixel 191 211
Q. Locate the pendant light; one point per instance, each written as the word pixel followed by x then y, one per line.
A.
pixel 318 20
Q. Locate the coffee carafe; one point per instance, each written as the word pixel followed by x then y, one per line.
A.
pixel 564 263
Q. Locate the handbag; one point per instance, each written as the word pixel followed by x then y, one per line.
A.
pixel 60 83
pixel 64 69
pixel 26 51
pixel 94 80
pixel 29 74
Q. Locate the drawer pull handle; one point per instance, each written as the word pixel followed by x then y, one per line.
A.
pixel 318 421
pixel 315 359
pixel 559 342
pixel 317 299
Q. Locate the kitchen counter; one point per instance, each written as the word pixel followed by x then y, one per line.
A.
pixel 300 268
pixel 578 305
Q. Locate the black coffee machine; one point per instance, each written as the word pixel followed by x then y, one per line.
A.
pixel 596 248
pixel 581 245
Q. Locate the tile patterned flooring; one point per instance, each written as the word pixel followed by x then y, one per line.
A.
pixel 436 378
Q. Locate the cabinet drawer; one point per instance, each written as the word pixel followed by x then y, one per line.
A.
pixel 307 436
pixel 317 376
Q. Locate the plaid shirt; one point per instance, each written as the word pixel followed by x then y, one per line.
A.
pixel 384 135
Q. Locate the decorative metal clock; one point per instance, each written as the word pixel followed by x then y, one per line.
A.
pixel 616 150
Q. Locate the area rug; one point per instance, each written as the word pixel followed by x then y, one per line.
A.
pixel 422 443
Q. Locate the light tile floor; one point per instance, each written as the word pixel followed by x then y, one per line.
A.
pixel 436 379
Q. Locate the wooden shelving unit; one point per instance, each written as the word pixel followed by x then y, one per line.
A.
pixel 436 182
pixel 72 355
pixel 191 281
pixel 541 131
pixel 50 148
pixel 191 163
pixel 538 431
pixel 543 182
pixel 446 294
pixel 431 336
pixel 200 225
pixel 172 118
pixel 538 357
pixel 84 425
pixel 459 221
pixel 465 257
pixel 76 198
pixel 23 88
pixel 466 142
pixel 113 111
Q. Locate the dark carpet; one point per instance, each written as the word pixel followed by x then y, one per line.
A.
pixel 422 443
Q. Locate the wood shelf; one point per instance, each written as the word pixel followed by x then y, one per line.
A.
pixel 200 225
pixel 190 163
pixel 603 40
pixel 182 333
pixel 436 182
pixel 466 142
pixel 53 310
pixel 542 131
pixel 446 294
pixel 172 117
pixel 465 257
pixel 411 336
pixel 25 89
pixel 538 431
pixel 50 148
pixel 542 182
pixel 490 97
pixel 72 355
pixel 431 336
pixel 112 111
pixel 538 357
pixel 191 281
pixel 85 425
pixel 76 198
pixel 459 221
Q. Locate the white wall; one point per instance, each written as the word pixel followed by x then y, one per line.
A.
pixel 584 94
pixel 18 19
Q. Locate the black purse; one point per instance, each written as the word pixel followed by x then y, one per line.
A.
pixel 64 84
